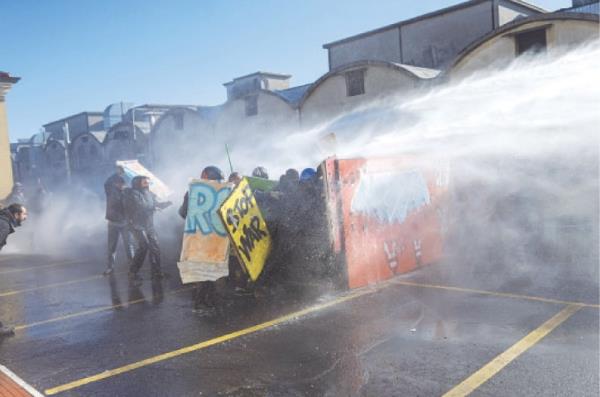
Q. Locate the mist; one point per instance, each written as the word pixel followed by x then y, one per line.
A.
pixel 521 145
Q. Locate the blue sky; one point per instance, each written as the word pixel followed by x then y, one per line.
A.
pixel 75 55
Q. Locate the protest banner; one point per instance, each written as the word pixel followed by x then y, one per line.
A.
pixel 133 168
pixel 205 248
pixel 262 184
pixel 247 228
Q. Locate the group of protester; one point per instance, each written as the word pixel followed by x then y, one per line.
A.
pixel 294 202
pixel 130 218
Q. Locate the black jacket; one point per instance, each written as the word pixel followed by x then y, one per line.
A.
pixel 140 206
pixel 114 199
pixel 184 207
pixel 7 226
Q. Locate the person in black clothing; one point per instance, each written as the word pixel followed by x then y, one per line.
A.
pixel 117 222
pixel 140 204
pixel 211 173
pixel 205 294
pixel 10 218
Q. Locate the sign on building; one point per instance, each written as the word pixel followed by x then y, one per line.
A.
pixel 205 248
pixel 247 228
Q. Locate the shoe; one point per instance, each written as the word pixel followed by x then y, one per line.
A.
pixel 108 271
pixel 7 331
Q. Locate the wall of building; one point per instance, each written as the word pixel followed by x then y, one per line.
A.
pixel 273 111
pixel 6 174
pixel 55 170
pixel 435 41
pixel 381 46
pixel 500 50
pixel 175 143
pixel 329 99
pixel 122 144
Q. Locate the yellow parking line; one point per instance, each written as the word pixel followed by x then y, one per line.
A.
pixel 91 311
pixel 48 286
pixel 25 269
pixel 493 293
pixel 210 342
pixel 497 364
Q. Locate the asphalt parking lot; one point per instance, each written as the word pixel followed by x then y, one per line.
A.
pixel 442 329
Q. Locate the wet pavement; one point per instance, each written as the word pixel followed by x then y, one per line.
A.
pixel 419 334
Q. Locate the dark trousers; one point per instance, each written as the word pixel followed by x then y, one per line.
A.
pixel 147 241
pixel 114 231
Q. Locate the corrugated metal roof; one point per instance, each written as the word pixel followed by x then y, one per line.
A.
pixel 293 95
pixel 421 72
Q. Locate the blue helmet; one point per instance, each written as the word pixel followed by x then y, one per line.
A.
pixel 308 174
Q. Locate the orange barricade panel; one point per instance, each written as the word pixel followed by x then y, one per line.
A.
pixel 391 215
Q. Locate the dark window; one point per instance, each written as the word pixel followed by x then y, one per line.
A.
pixel 355 82
pixel 532 41
pixel 251 105
pixel 179 121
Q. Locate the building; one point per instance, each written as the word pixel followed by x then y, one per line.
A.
pixel 549 34
pixel 6 172
pixel 261 108
pixel 431 40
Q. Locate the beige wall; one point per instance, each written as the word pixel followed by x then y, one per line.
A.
pixel 329 99
pixel 500 50
pixel 6 176
pixel 172 146
pixel 274 114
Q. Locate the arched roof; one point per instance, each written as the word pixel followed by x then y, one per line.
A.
pixel 52 141
pixel 175 110
pixel 123 125
pixel 97 136
pixel 413 72
pixel 559 16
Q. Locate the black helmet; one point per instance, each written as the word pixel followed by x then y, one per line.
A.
pixel 260 172
pixel 212 173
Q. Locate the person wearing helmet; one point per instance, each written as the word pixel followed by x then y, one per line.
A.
pixel 211 173
pixel 234 178
pixel 308 174
pixel 260 172
pixel 204 293
pixel 140 204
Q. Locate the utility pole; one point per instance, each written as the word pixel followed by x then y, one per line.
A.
pixel 67 138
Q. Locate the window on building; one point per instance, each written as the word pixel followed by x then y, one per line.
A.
pixel 251 105
pixel 179 121
pixel 355 82
pixel 531 41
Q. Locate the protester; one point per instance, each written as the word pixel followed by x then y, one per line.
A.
pixel 260 172
pixel 140 204
pixel 10 218
pixel 204 295
pixel 211 173
pixel 114 188
pixel 307 174
pixel 234 178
